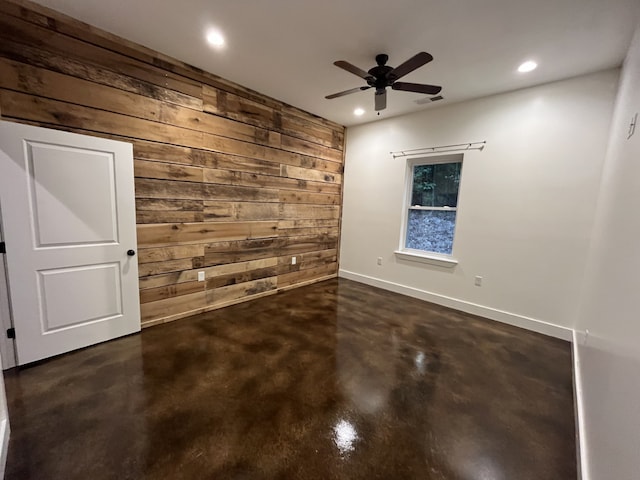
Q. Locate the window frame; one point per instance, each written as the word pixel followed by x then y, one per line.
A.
pixel 423 256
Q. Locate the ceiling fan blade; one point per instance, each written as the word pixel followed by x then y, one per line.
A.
pixel 410 65
pixel 346 92
pixel 417 87
pixel 381 99
pixel 353 69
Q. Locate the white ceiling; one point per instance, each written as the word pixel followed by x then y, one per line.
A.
pixel 285 48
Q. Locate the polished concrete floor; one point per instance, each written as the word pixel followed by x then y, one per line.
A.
pixel 337 380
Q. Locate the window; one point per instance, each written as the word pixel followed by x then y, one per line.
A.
pixel 432 201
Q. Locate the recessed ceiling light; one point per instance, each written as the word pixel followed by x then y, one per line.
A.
pixel 215 38
pixel 358 111
pixel 527 66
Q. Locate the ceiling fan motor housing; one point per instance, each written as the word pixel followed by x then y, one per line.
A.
pixel 380 73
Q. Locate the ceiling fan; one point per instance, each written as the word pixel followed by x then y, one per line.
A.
pixel 382 76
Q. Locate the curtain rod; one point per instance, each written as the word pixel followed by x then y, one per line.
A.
pixel 440 149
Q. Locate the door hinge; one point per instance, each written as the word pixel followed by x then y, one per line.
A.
pixel 3 247
pixel 11 332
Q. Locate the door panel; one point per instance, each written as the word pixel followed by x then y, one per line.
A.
pixel 84 214
pixel 71 222
pixel 101 283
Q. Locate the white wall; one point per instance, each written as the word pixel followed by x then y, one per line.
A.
pixel 526 205
pixel 610 361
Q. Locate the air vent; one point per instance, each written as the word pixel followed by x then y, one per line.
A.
pixel 425 100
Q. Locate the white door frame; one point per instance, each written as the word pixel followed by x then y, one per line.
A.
pixel 7 345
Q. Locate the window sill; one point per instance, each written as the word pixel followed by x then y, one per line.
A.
pixel 429 258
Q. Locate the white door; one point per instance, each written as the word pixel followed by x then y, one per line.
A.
pixel 68 217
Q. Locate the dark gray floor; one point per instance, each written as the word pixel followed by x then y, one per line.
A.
pixel 332 381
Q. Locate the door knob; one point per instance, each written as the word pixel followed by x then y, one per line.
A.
pixel 131 253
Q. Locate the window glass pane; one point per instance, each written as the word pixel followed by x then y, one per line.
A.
pixel 431 230
pixel 436 185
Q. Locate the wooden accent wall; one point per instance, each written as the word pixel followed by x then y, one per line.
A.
pixel 227 180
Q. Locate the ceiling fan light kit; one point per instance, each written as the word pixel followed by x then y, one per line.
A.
pixel 382 76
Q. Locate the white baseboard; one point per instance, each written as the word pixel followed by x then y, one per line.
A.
pixel 4 448
pixel 464 306
pixel 581 444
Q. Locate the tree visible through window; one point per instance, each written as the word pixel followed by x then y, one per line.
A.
pixel 432 211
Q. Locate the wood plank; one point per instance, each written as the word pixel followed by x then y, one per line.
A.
pixel 164 189
pixel 228 177
pixel 298 126
pixel 255 211
pixel 304 244
pixel 311 258
pixel 155 268
pixel 309 174
pixel 242 164
pixel 219 211
pixel 186 233
pixel 164 205
pixel 236 107
pixel 220 126
pixel 288 110
pixel 304 275
pixel 192 275
pixel 256 113
pixel 171 306
pixel 320 164
pixel 239 193
pixel 306 260
pixel 162 254
pixel 219 176
pixel 240 277
pixel 221 253
pixel 160 189
pixel 162 152
pixel 300 211
pixel 160 293
pixel 241 211
pixel 234 268
pixel 169 217
pixel 243 250
pixel 304 223
pixel 305 231
pixel 168 171
pixel 293 144
pixel 246 289
pixel 309 198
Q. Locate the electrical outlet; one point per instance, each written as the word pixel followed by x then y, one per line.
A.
pixel 478 281
pixel 379 260
pixel 201 276
pixel 293 260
